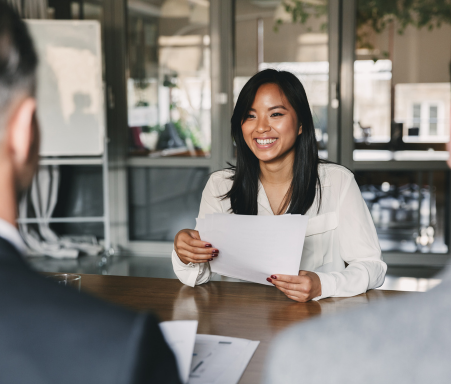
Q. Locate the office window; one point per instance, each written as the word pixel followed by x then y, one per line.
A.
pixel 168 81
pixel 372 81
pixel 402 91
pixel 424 121
pixel 416 120
pixel 433 120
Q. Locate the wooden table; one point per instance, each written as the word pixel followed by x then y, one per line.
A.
pixel 245 310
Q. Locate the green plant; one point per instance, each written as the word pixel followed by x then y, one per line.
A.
pixel 377 15
pixel 302 11
pixel 186 132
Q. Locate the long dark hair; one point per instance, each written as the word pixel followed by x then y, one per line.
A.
pixel 244 191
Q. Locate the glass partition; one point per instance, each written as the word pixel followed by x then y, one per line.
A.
pixel 402 88
pixel 279 36
pixel 162 201
pixel 168 80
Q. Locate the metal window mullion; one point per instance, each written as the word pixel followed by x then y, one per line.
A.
pixel 334 50
pixel 348 32
pixel 448 211
pixel 222 72
pixel 115 33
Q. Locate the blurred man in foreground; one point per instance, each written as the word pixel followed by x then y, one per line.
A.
pixel 404 340
pixel 49 334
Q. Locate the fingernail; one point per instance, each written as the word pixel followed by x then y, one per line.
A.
pixel 274 277
pixel 214 255
pixel 210 260
pixel 215 251
pixel 268 280
pixel 207 245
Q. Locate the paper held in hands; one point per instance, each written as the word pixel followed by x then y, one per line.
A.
pixel 253 248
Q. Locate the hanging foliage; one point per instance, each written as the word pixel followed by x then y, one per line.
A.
pixel 377 15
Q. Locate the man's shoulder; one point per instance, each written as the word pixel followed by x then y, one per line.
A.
pixel 72 330
pixel 29 293
pixel 386 334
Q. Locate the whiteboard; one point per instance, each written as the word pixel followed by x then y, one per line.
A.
pixel 71 107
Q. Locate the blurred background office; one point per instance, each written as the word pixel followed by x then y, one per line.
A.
pixel 377 78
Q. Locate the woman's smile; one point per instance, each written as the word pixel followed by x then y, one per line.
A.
pixel 267 142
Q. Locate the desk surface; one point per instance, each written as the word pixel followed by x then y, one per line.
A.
pixel 245 310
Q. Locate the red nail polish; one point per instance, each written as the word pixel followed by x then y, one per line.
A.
pixel 274 277
pixel 268 280
pixel 207 245
pixel 210 260
pixel 214 255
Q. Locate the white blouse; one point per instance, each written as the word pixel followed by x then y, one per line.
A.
pixel 342 231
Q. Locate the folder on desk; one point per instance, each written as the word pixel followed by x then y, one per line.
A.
pixel 253 248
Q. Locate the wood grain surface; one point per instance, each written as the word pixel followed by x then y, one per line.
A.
pixel 244 310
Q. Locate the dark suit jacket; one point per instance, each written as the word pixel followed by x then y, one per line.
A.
pixel 52 334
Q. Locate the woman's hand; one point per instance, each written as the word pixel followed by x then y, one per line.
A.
pixel 304 287
pixel 191 249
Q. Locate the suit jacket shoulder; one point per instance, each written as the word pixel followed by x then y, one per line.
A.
pixel 51 334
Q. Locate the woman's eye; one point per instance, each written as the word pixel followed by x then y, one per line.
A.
pixel 249 117
pixel 276 114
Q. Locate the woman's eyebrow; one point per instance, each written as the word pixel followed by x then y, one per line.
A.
pixel 277 107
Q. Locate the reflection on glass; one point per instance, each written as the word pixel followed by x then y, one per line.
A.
pixel 408 209
pixel 75 10
pixel 372 101
pixel 402 92
pixel 274 40
pixel 424 111
pixel 168 85
pixel 162 201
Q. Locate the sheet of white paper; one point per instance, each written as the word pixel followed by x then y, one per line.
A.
pixel 253 248
pixel 181 336
pixel 220 359
pixel 234 373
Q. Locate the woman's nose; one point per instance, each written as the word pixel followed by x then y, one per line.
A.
pixel 263 127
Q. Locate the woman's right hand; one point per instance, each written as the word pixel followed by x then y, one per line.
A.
pixel 191 249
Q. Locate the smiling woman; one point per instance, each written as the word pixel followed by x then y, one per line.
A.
pixel 273 105
pixel 278 171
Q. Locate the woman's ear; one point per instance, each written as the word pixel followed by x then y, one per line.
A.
pixel 21 130
pixel 300 130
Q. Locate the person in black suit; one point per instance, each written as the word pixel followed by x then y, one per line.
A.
pixel 48 333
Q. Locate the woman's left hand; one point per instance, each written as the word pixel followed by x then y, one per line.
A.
pixel 304 287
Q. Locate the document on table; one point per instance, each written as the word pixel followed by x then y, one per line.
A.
pixel 253 248
pixel 220 359
pixel 181 337
pixel 207 359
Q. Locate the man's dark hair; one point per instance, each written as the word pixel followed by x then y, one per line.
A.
pixel 18 59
